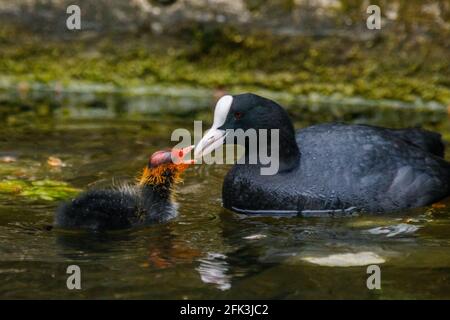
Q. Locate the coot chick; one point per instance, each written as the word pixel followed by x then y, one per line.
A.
pixel 328 168
pixel 146 202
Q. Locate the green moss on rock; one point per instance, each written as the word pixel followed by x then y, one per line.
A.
pixel 379 68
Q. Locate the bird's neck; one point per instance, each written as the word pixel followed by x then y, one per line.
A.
pixel 159 181
pixel 284 150
pixel 288 151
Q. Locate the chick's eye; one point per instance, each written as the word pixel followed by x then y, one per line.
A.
pixel 238 115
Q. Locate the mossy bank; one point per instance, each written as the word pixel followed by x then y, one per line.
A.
pixel 382 67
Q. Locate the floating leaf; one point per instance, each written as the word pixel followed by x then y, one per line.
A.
pixel 8 159
pixel 438 205
pixel 55 162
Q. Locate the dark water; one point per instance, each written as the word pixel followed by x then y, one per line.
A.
pixel 206 252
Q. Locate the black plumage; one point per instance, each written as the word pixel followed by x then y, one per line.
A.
pixel 146 202
pixel 120 208
pixel 335 166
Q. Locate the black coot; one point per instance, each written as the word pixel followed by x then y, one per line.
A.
pixel 148 201
pixel 328 168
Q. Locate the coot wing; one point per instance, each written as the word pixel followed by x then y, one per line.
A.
pixel 369 167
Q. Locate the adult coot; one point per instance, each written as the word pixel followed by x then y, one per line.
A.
pixel 328 168
pixel 148 201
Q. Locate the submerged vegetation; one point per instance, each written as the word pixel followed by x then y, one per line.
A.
pixel 49 190
pixel 24 178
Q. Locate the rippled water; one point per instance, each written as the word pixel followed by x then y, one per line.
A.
pixel 207 251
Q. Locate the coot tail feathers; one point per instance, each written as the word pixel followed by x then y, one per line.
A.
pixel 424 139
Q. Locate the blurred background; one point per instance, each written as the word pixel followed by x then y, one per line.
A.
pixel 85 108
pixel 315 51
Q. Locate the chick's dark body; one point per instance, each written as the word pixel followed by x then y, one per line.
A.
pixel 125 207
pixel 148 201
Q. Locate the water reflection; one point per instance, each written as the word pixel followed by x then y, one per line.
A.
pixel 214 269
pixel 207 251
pixel 394 230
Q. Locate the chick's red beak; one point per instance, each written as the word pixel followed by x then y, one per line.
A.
pixel 175 156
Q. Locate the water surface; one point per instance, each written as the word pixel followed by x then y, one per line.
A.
pixel 207 252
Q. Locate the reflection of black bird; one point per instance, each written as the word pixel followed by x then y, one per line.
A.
pixel 148 201
pixel 329 166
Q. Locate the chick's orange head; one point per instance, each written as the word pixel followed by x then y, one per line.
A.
pixel 166 164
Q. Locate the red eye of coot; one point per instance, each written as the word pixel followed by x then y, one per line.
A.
pixel 180 154
pixel 238 115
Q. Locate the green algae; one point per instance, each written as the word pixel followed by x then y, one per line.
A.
pixel 383 68
pixel 13 186
pixel 48 190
